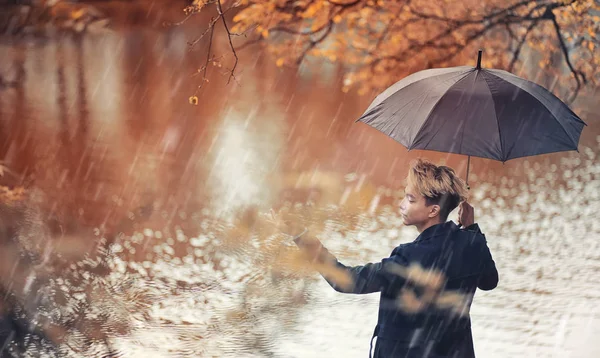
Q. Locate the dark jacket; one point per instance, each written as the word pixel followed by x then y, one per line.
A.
pixel 419 316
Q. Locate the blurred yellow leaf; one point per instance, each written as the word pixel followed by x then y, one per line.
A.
pixel 280 61
pixel 312 9
pixel 409 302
pixel 76 14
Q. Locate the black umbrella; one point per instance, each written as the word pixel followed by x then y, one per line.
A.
pixel 473 111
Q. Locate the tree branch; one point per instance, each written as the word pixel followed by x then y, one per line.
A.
pixel 579 76
pixel 500 17
pixel 297 32
pixel 438 37
pixel 220 10
pixel 506 11
pixel 210 30
pixel 344 4
pixel 205 67
pixel 510 32
pixel 517 50
pixel 314 43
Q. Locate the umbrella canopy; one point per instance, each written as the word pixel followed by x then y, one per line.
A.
pixel 479 112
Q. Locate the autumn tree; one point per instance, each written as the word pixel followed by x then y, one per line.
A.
pixel 380 41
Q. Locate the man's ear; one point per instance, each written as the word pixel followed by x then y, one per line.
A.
pixel 434 210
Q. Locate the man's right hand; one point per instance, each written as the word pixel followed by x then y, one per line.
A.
pixel 289 226
pixel 466 215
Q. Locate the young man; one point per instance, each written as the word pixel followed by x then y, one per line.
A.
pixel 426 286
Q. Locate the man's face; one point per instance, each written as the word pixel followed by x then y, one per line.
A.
pixel 413 208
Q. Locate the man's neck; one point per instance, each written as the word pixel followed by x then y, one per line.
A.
pixel 427 225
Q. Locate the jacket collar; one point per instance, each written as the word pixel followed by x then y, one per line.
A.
pixel 437 230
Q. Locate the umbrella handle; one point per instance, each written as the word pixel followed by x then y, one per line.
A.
pixel 468 165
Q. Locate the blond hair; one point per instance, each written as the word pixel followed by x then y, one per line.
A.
pixel 438 184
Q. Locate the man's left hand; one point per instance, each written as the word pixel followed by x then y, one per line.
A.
pixel 466 215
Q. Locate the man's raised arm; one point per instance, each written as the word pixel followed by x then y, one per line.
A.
pixel 369 278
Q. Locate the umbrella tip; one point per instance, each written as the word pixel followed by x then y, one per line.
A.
pixel 479 59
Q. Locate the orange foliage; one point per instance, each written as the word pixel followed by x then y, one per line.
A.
pixel 381 41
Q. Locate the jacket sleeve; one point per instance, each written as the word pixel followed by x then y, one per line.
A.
pixel 369 278
pixel 488 279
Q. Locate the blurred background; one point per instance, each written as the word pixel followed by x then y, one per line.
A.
pixel 135 184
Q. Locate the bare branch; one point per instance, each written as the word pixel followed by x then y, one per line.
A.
pixel 205 67
pixel 210 28
pixel 221 13
pixel 314 43
pixel 302 33
pixel 243 33
pixel 344 4
pixel 510 32
pixel 579 76
pixel 180 22
pixel 390 26
pixel 517 50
